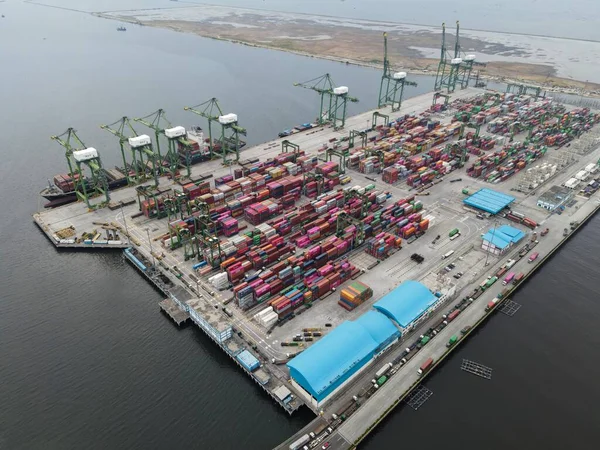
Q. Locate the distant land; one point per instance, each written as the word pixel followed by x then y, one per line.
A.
pixel 561 64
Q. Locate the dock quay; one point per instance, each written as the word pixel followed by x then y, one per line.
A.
pixel 350 433
pixel 174 312
pixel 398 226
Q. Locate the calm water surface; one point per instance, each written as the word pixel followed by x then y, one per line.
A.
pixel 87 360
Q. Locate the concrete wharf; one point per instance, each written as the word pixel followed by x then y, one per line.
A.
pixel 234 331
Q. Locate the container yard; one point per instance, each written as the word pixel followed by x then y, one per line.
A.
pixel 309 257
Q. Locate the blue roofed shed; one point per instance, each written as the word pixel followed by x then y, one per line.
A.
pixel 489 200
pixel 381 329
pixel 330 362
pixel 406 303
pixel 248 360
pixel 501 239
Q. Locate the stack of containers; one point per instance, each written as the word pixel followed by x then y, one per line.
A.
pixel 219 281
pixel 267 317
pixel 354 294
pixel 328 167
pixel 66 182
pixel 390 175
pixel 229 226
pixel 380 245
pixel 307 163
pixel 244 295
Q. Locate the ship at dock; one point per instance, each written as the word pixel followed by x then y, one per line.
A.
pixel 64 187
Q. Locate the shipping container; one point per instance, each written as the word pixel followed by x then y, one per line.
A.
pixel 453 340
pixel 425 366
pixel 508 279
pixel 518 278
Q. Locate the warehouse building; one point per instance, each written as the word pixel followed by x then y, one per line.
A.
pixel 406 304
pixel 321 370
pixel 499 240
pixel 554 197
pixel 489 201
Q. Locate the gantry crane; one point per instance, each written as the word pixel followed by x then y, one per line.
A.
pixel 392 85
pixel 360 134
pixel 448 67
pixel 230 130
pixel 377 115
pixel 334 100
pixel 158 122
pixel 98 184
pixel 318 178
pixel 343 221
pixel 466 64
pixel 140 145
pixel 342 153
pixel 290 147
pixel 438 95
pixel 211 111
pixel 523 89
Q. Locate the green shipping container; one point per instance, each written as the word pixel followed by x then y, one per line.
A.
pixel 425 340
pixel 465 191
pixel 453 340
pixel 453 232
pixel 382 380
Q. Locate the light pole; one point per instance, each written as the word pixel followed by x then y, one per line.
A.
pixel 150 242
pixel 487 255
pixel 125 223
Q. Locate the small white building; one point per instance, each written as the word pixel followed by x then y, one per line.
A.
pixel 555 197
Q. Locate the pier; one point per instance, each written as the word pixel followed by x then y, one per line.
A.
pixel 190 296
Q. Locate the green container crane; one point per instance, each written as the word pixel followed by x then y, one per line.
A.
pixel 89 157
pixel 334 100
pixel 467 63
pixel 448 67
pixel 158 122
pixel 211 111
pixel 230 130
pixel 391 89
pixel 140 146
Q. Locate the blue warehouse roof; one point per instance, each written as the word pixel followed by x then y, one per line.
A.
pixel 328 363
pixel 406 303
pixel 381 329
pixel 489 200
pixel 503 236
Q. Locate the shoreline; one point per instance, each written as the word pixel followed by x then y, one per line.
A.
pixel 573 86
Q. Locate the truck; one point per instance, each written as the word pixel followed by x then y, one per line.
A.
pixel 424 340
pixel 545 232
pixel 453 315
pixel 489 283
pixel 300 442
pixel 385 369
pixel 425 366
pixel 510 263
pixel 453 340
pixel 381 380
pixel 504 293
pixel 492 304
pixel 501 272
pixel 453 232
pixel 508 278
pixel 533 257
pixel 448 255
pixel 518 278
